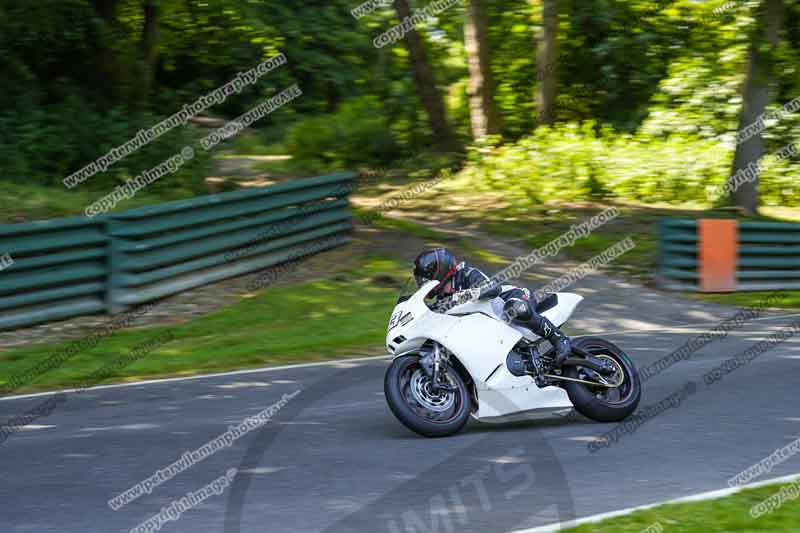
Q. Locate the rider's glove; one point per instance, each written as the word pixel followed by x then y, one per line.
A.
pixel 468 295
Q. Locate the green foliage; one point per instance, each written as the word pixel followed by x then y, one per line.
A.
pixel 45 144
pixel 512 43
pixel 583 162
pixel 356 135
pixel 76 82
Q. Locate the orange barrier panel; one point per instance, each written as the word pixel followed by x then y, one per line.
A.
pixel 717 250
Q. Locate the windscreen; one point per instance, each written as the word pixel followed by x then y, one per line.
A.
pixel 411 286
pixel 408 290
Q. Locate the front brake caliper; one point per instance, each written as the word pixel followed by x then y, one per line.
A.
pixel 427 365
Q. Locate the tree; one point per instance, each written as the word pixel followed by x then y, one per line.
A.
pixel 110 64
pixel 547 62
pixel 152 12
pixel 482 107
pixel 425 81
pixel 755 97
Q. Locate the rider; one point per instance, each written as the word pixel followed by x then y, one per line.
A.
pixel 459 279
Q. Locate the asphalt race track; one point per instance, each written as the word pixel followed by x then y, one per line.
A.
pixel 335 459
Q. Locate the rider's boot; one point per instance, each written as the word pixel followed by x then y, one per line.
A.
pixel 547 330
pixel 522 311
pixel 560 342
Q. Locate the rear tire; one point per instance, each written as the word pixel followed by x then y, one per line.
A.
pixel 588 400
pixel 420 409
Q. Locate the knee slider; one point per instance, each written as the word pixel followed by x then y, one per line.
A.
pixel 517 309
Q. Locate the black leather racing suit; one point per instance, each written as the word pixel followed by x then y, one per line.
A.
pixel 518 306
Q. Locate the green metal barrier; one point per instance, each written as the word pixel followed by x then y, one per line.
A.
pixel 73 266
pixel 677 262
pixel 60 270
pixel 768 255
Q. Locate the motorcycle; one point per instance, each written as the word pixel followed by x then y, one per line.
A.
pixel 467 359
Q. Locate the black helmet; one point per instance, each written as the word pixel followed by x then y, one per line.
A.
pixel 438 264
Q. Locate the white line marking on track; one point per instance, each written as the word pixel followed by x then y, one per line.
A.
pixel 200 376
pixel 31 427
pixel 263 470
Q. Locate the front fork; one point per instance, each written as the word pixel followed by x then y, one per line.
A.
pixel 433 364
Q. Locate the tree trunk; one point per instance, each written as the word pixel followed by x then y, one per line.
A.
pixel 755 97
pixel 425 81
pixel 482 108
pixel 152 13
pixel 547 62
pixel 106 9
pixel 109 64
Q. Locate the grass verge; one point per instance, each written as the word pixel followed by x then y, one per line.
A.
pixel 27 202
pixel 787 300
pixel 723 515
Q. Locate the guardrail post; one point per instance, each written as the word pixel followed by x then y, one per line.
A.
pixel 717 252
pixel 114 264
pixel 724 255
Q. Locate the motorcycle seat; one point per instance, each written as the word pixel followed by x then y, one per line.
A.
pixel 549 302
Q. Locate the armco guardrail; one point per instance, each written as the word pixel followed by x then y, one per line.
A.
pixel 717 255
pixel 59 270
pixel 73 266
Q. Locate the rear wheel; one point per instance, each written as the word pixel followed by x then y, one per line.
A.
pixel 600 403
pixel 419 406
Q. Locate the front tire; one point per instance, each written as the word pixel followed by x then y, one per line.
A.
pixel 599 403
pixel 421 409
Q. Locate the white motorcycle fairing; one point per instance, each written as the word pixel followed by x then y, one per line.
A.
pixel 477 336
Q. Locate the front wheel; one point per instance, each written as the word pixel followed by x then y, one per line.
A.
pixel 600 403
pixel 420 407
